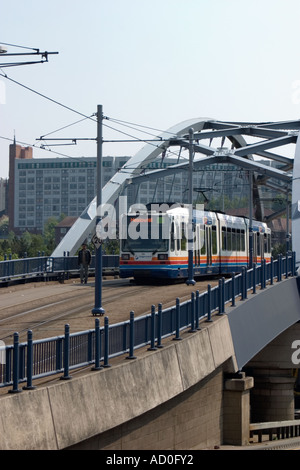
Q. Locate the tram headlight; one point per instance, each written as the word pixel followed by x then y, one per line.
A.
pixel 125 257
pixel 162 256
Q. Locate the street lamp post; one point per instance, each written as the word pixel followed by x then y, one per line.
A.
pixel 98 309
pixel 190 280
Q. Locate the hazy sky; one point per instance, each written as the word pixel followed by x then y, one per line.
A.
pixel 154 63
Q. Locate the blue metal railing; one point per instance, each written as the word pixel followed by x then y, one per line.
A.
pixel 36 359
pixel 13 269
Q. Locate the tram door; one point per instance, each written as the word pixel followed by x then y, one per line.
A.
pixel 208 237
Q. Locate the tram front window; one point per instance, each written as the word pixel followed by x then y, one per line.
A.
pixel 148 234
pixel 148 245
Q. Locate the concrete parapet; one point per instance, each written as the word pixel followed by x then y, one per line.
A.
pixel 26 421
pixel 61 415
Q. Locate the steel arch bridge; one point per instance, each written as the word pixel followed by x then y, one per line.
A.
pixel 236 143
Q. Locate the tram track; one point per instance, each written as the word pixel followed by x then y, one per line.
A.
pixel 61 302
pixel 47 315
pixel 44 301
pixel 53 311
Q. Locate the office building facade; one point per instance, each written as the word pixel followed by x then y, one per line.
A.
pixel 40 188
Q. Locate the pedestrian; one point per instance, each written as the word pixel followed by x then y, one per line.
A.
pixel 84 260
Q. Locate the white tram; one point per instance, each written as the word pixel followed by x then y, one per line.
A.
pixel 154 243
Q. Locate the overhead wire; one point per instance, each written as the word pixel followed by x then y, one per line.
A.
pixel 22 47
pixel 124 123
pixel 69 108
pixel 46 97
pixel 124 133
pixel 66 107
pixel 130 124
pixel 116 121
pixel 148 141
pixel 65 127
pixel 139 125
pixel 75 111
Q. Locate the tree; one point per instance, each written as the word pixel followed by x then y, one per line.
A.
pixel 3 225
pixel 37 245
pixel 49 233
pixel 25 243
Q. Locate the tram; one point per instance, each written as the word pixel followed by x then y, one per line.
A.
pixel 154 243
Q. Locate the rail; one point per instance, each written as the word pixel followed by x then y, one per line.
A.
pixel 276 429
pixel 24 362
pixel 47 267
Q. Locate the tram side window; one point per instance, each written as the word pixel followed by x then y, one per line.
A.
pixel 224 239
pixel 238 240
pixel 214 239
pixel 177 237
pixel 202 241
pixel 267 247
pixel 243 244
pixel 172 237
pixel 229 244
pixel 183 237
pixel 265 243
pixel 258 243
pixel 233 239
pixel 196 245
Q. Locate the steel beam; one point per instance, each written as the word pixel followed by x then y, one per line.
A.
pixel 265 145
pixel 217 159
pixel 230 131
pixel 276 158
pixel 259 168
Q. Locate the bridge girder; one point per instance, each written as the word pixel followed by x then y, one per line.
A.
pixel 242 153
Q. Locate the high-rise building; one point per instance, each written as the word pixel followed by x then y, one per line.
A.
pixel 40 188
pixel 16 152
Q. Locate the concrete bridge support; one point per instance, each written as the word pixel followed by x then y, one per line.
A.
pixel 273 370
pixel 272 398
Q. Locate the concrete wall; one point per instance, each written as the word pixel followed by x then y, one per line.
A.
pixel 191 420
pixel 179 386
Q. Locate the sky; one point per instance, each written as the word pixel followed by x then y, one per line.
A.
pixel 152 63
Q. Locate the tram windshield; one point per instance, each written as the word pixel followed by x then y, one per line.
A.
pixel 148 233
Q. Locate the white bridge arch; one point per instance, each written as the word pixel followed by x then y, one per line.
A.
pixel 246 141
